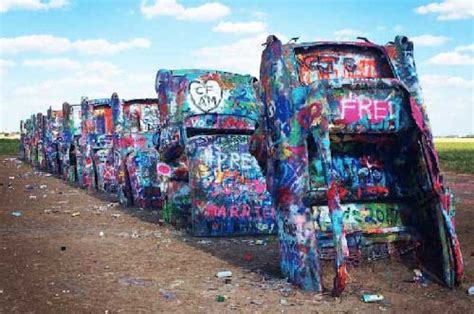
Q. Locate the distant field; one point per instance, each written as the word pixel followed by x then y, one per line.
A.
pixel 456 154
pixel 9 146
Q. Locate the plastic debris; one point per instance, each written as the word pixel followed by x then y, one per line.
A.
pixel 204 242
pixel 248 257
pixel 17 214
pixel 75 214
pixel 116 215
pixel 420 278
pixel 29 187
pixel 224 274
pixel 168 295
pixel 470 291
pixel 220 298
pixel 101 234
pixel 283 302
pixel 32 197
pixel 127 281
pixel 11 178
pixel 260 242
pixel 369 298
pixel 43 187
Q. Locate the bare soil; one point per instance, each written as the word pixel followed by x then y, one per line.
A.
pixel 109 259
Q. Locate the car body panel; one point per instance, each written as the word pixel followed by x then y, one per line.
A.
pixel 216 187
pixel 350 161
pixel 137 128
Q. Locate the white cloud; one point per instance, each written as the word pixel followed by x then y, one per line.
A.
pixel 7 5
pixel 99 69
pixel 245 27
pixel 468 48
pixel 451 58
pixel 449 9
pixel 348 34
pixel 52 64
pixel 435 81
pixel 4 65
pixel 53 44
pixel 206 12
pixel 429 40
pixel 241 56
pixel 450 103
pixel 94 80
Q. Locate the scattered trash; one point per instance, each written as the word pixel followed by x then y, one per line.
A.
pixel 17 214
pixel 127 281
pixel 11 178
pixel 204 242
pixel 470 291
pixel 32 197
pixel 283 302
pixel 369 298
pixel 116 215
pixel 260 242
pixel 286 291
pixel 29 187
pixel 220 298
pixel 43 187
pixel 420 278
pixel 63 248
pixel 101 234
pixel 224 274
pixel 1 291
pixel 168 295
pixel 248 257
pixel 75 214
pixel 227 281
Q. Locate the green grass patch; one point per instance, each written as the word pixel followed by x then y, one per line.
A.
pixel 9 146
pixel 456 154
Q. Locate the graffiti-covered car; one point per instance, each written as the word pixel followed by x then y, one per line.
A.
pixel 215 185
pixel 69 144
pixel 29 148
pixel 23 139
pixel 95 158
pixel 351 162
pixel 136 133
pixel 38 141
pixel 52 139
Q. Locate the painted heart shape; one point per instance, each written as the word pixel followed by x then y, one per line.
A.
pixel 206 96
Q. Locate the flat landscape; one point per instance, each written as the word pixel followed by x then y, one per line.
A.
pixel 66 250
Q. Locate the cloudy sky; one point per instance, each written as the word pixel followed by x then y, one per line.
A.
pixel 53 51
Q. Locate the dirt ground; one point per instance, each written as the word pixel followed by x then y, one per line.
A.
pixel 74 251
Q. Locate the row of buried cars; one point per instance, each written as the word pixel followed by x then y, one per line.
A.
pixel 331 149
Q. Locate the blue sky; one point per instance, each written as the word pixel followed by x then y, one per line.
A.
pixel 53 51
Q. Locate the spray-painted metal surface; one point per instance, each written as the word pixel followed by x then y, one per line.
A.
pixel 38 141
pixel 136 158
pixel 69 144
pixel 52 138
pixel 351 163
pixel 95 156
pixel 28 140
pixel 23 139
pixel 214 186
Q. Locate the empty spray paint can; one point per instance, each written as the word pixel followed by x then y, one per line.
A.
pixel 368 298
pixel 470 291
